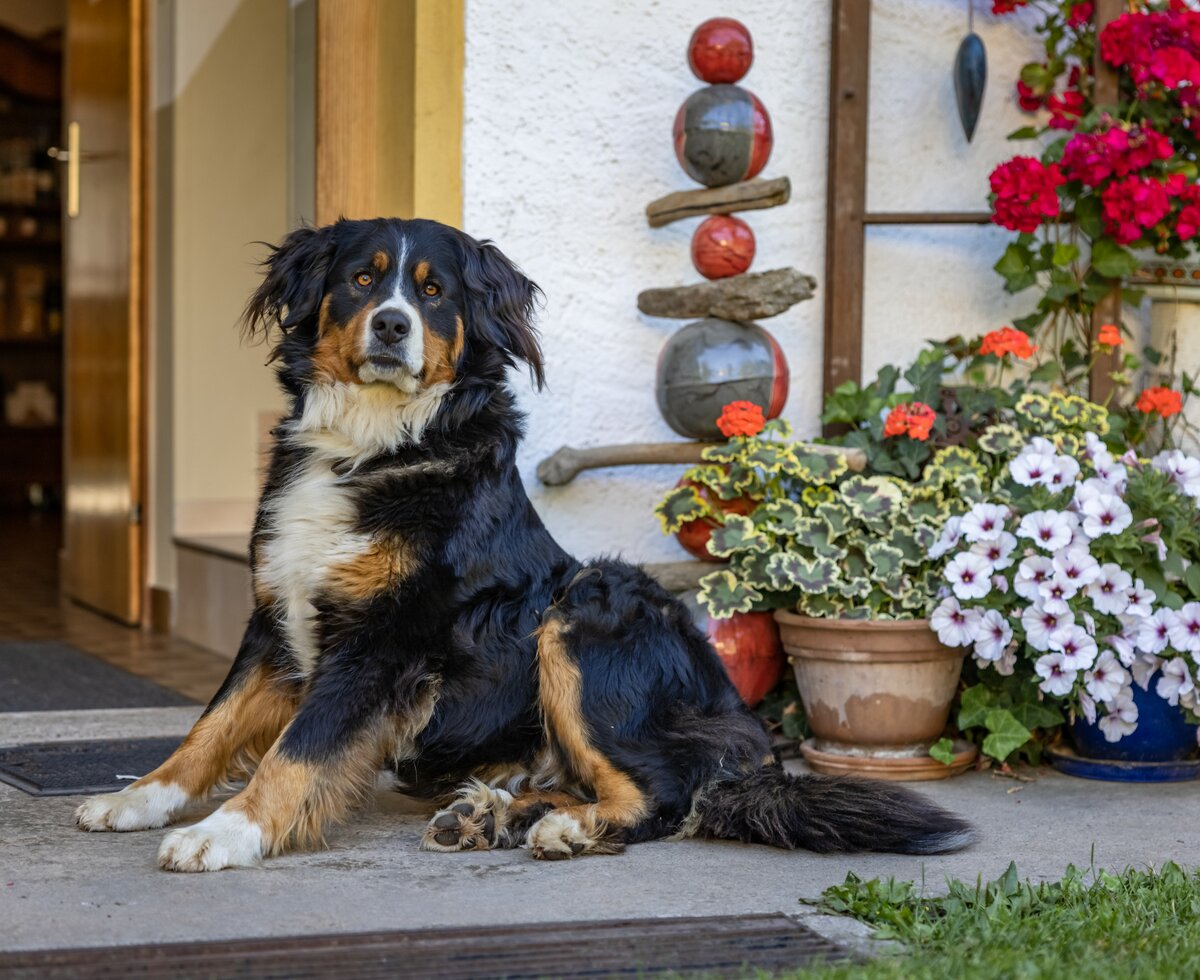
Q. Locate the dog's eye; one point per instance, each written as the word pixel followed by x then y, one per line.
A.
pixel 432 289
pixel 364 279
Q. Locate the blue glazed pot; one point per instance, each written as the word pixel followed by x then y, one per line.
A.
pixel 1162 735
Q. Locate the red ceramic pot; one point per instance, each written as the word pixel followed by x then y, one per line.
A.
pixel 749 647
pixel 694 535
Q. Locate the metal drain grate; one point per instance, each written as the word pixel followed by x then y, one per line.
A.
pixel 718 946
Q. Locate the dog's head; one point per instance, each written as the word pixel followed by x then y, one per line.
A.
pixel 414 306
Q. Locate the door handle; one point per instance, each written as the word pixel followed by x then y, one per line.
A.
pixel 72 157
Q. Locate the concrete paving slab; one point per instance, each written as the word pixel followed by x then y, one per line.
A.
pixel 61 887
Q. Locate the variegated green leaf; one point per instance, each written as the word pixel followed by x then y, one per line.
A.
pixel 1033 408
pixel 969 487
pixel 896 585
pixel 1069 443
pixel 825 606
pixel 836 515
pixel 771 457
pixel 1067 409
pixel 958 459
pixel 722 594
pixel 752 569
pixel 1001 439
pixel 818 468
pixel 855 588
pixel 813 496
pixel 722 452
pixel 680 505
pixel 779 516
pixel 809 574
pixel 816 534
pixel 874 499
pixel 738 534
pixel 884 560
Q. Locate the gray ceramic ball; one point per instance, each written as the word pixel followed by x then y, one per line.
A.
pixel 710 363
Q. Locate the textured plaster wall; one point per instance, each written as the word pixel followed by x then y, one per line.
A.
pixel 568 135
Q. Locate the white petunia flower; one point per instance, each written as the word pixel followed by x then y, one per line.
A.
pixel 992 635
pixel 1154 632
pixel 1088 706
pixel 1112 474
pixel 1007 663
pixel 1123 647
pixel 1076 565
pixel 1105 514
pixel 1033 469
pixel 1122 717
pixel 950 536
pixel 1050 530
pixel 1066 471
pixel 1053 594
pixel 1058 677
pixel 1109 591
pixel 1141 600
pixel 983 522
pixel 1078 649
pixel 1106 678
pixel 955 626
pixel 1093 446
pixel 1031 573
pixel 1175 682
pixel 1143 669
pixel 1042 626
pixel 1184 630
pixel 998 551
pixel 1184 470
pixel 970 575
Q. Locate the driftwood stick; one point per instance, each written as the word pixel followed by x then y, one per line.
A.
pixel 681 576
pixel 750 296
pixel 563 465
pixel 749 195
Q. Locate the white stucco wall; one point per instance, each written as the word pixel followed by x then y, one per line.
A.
pixel 568 136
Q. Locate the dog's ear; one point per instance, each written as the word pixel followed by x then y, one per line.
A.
pixel 500 305
pixel 293 281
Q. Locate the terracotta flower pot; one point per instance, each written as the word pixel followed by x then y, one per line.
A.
pixel 876 694
pixel 748 645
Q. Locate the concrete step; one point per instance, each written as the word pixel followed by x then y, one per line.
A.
pixel 213 597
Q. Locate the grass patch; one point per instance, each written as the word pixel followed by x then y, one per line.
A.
pixel 1092 924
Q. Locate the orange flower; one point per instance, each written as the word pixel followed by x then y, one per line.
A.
pixel 1109 336
pixel 741 419
pixel 1160 401
pixel 1005 341
pixel 913 419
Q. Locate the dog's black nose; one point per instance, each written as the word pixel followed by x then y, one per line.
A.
pixel 390 326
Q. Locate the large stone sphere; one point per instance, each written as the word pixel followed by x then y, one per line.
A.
pixel 720 50
pixel 710 363
pixel 722 135
pixel 722 246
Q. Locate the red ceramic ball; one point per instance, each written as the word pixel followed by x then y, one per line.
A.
pixel 722 246
pixel 720 50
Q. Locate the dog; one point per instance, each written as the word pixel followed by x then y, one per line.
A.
pixel 412 613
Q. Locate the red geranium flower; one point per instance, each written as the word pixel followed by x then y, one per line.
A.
pixel 1007 6
pixel 1027 98
pixel 913 419
pixel 1160 401
pixel 741 419
pixel 1025 193
pixel 1065 109
pixel 1080 14
pixel 1133 205
pixel 1005 341
pixel 1109 336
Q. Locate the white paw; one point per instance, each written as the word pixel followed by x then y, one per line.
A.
pixel 556 836
pixel 474 821
pixel 133 808
pixel 224 839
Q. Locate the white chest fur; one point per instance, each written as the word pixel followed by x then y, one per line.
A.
pixel 309 531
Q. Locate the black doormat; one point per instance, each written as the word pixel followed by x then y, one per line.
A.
pixel 51 676
pixel 717 946
pixel 70 768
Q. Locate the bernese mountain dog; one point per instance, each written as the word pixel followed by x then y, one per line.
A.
pixel 412 613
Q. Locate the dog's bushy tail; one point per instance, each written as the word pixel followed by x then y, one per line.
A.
pixel 824 813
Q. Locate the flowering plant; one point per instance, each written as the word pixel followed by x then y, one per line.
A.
pixel 1116 172
pixel 1077 577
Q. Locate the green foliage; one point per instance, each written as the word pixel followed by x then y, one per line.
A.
pixel 1091 925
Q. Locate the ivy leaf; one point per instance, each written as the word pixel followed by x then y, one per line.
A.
pixel 943 751
pixel 973 706
pixel 1007 734
pixel 722 594
pixel 679 506
pixel 1089 216
pixel 1037 714
pixel 1111 260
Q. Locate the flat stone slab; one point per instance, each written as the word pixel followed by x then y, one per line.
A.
pixel 60 886
pixel 750 296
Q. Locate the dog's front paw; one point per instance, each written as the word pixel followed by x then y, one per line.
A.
pixel 474 821
pixel 561 834
pixel 135 807
pixel 224 839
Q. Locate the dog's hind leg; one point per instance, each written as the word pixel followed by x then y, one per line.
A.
pixel 240 724
pixel 620 803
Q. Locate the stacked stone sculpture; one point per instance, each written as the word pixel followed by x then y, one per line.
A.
pixel 723 139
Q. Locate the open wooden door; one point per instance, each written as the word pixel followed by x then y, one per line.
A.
pixel 103 236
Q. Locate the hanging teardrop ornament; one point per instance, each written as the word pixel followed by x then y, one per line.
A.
pixel 970 75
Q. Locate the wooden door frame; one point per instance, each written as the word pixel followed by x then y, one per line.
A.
pixel 389 114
